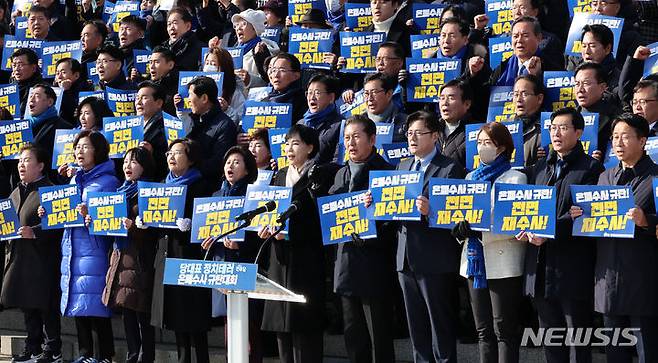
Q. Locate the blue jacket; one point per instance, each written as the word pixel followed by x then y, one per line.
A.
pixel 85 257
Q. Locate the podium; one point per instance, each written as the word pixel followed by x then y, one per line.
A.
pixel 240 282
pixel 237 313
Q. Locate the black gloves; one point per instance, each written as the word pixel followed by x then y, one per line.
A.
pixel 463 231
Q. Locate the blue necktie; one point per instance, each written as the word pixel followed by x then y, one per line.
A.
pixel 523 70
pixel 417 166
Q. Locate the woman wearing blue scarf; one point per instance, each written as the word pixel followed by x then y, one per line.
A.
pixel 493 264
pixel 323 115
pixel 129 280
pixel 239 171
pixel 185 310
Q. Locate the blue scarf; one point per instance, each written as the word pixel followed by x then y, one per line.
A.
pixel 336 19
pixel 190 176
pixel 510 73
pixel 128 187
pixel 474 252
pixel 314 120
pixel 459 55
pixel 36 121
pixel 251 44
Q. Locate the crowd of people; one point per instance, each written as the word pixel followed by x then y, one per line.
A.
pixel 411 273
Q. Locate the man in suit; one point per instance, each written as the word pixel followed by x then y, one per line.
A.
pixel 364 268
pixel 559 271
pixel 148 103
pixel 428 259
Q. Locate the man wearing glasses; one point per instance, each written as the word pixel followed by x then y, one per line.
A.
pixel 590 89
pixel 378 94
pixel 25 72
pixel 284 72
pixel 428 259
pixel 645 103
pixel 528 97
pixel 559 271
pixel 109 66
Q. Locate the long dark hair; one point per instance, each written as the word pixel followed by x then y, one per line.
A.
pixel 144 158
pixel 229 83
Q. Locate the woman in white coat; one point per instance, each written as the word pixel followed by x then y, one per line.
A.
pixel 496 289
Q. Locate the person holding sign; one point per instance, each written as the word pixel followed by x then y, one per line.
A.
pixel 630 38
pixel 296 261
pixel 363 268
pixel 559 271
pixel 596 46
pixel 185 310
pixel 163 72
pixel 84 257
pixel 239 171
pixel 454 105
pixel 25 72
pixel 38 22
pixel 528 97
pixel 31 273
pixel 493 263
pixel 427 259
pixel 378 93
pixel 233 90
pixel 70 78
pixel 131 37
pixel 590 89
pixel 387 17
pixel 129 280
pixel 285 72
pixel 323 115
pixel 631 302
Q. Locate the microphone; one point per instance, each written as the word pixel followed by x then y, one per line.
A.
pixel 287 213
pixel 247 216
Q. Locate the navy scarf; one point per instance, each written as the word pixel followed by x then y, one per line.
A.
pixel 314 120
pixel 510 73
pixel 475 266
pixel 459 55
pixel 190 176
pixel 251 44
pixel 128 187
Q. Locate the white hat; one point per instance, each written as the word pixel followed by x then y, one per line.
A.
pixel 254 17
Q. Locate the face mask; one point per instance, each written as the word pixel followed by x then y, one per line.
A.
pixel 210 68
pixel 487 153
pixel 332 5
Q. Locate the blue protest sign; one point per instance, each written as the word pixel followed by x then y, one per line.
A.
pixel 259 195
pixel 309 46
pixel 341 215
pixel 108 10
pixel 472 156
pixel 161 204
pixel 9 222
pixel 500 48
pixel 427 17
pixel 456 200
pixel 121 10
pixel 426 76
pixel 84 94
pixel 60 202
pixel 215 216
pixel 174 128
pixel 501 113
pixel 559 90
pixel 264 177
pixel 267 115
pixel 10 99
pixel 576 30
pixel 92 73
pixel 141 61
pixel 51 52
pixel 22 31
pixel 589 140
pixel 184 78
pixel 121 102
pixel 278 146
pixel 651 148
pixel 107 211
pixel 63 147
pixel 502 96
pixel 358 17
pixel 651 64
pixel 396 152
pixel 500 16
pixel 123 134
pixel 360 50
pixel 236 55
pixel 524 208
pixel 394 195
pixel 579 6
pixel 357 107
pixel 604 211
pixel 384 135
pixel 210 274
pixel 273 33
pixel 516 129
pixel 13 135
pixel 12 43
pixel 297 8
pixel 424 45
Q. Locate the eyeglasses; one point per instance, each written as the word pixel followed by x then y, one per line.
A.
pixel 105 61
pixel 585 84
pixel 278 70
pixel 595 3
pixel 385 59
pixel 520 7
pixel 643 102
pixel 522 94
pixel 623 137
pixel 417 133
pixel 562 128
pixel 372 92
pixel 83 148
pixel 18 65
pixel 174 153
pixel 315 93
